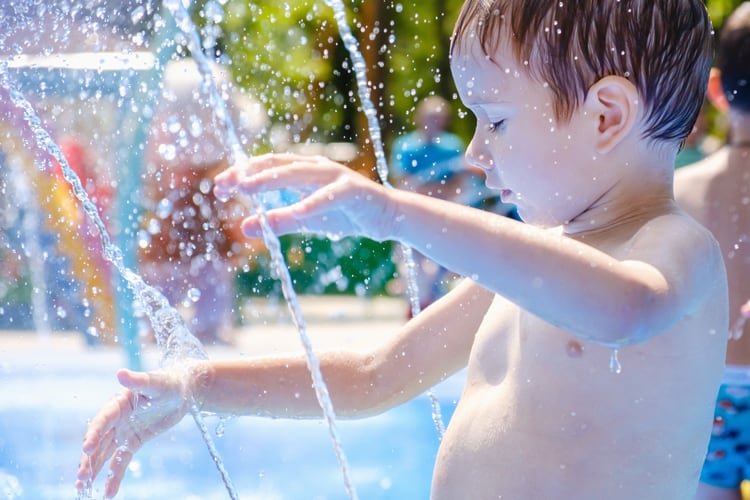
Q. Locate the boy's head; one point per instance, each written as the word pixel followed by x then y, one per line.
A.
pixel 734 58
pixel 664 47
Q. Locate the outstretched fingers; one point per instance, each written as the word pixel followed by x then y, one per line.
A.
pixel 117 468
pixel 112 436
pixel 226 184
pixel 109 438
pixel 273 172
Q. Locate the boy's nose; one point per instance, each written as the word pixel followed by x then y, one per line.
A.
pixel 478 155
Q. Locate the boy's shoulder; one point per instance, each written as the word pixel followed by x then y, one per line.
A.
pixel 671 240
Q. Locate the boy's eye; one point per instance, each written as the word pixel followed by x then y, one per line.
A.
pixel 495 126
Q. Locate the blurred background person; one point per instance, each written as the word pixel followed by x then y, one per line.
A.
pixel 716 192
pixel 430 161
pixel 700 143
pixel 194 242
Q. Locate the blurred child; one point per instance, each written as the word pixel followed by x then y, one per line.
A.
pixel 194 242
pixel 716 192
pixel 430 161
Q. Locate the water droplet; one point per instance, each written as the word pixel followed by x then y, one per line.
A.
pixel 164 208
pixel 213 12
pixel 194 295
pixel 167 151
pixel 614 362
pixel 137 14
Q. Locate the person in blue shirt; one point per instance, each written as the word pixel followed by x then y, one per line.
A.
pixel 430 161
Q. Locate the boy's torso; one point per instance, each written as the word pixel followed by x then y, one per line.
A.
pixel 543 416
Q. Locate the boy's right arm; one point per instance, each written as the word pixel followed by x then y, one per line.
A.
pixel 428 349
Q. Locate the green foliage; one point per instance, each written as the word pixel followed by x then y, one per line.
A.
pixel 317 265
pixel 417 60
pixel 720 9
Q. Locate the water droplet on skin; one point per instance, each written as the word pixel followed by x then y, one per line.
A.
pixel 614 362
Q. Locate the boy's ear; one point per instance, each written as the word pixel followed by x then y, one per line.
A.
pixel 613 100
pixel 715 92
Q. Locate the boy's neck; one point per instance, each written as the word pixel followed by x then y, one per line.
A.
pixel 643 190
pixel 601 219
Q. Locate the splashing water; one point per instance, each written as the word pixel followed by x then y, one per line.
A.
pixel 173 338
pixel 363 91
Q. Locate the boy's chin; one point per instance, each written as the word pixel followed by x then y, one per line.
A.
pixel 537 218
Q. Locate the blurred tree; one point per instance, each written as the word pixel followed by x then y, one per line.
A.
pixel 720 9
pixel 290 56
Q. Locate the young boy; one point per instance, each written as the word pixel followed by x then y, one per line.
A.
pixel 715 191
pixel 581 107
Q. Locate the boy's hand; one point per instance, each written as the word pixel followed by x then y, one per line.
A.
pixel 336 201
pixel 150 404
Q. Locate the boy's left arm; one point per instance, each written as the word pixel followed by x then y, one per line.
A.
pixel 624 299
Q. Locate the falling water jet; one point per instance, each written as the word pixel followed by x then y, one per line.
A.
pixel 614 361
pixel 363 91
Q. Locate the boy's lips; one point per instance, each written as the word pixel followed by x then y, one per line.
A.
pixel 506 195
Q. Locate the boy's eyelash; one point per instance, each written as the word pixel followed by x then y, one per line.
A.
pixel 492 127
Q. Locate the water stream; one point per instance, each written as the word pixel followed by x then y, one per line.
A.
pixel 173 338
pixel 368 108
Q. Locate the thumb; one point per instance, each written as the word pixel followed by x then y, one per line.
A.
pixel 138 382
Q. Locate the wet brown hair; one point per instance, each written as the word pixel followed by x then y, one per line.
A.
pixel 664 47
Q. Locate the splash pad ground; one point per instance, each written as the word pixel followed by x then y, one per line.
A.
pixel 49 387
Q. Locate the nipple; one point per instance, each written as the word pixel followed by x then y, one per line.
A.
pixel 574 349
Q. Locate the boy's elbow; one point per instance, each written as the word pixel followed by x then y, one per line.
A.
pixel 369 392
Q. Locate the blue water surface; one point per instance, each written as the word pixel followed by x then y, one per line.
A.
pixel 46 399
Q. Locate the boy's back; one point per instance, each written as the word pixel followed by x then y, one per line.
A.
pixel 716 191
